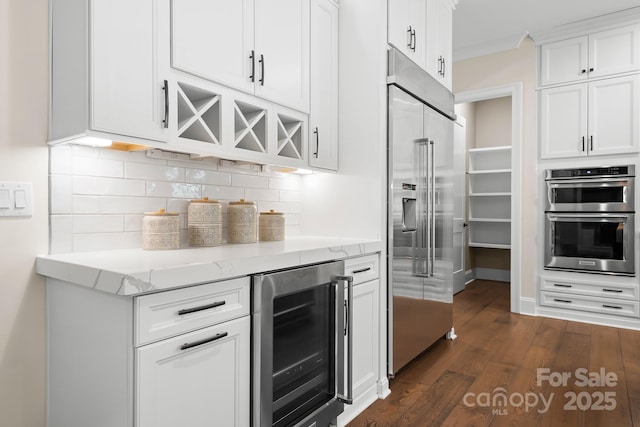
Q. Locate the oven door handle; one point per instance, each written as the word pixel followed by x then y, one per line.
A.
pixel 348 332
pixel 589 182
pixel 588 217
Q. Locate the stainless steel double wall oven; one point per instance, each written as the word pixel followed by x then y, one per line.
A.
pixel 589 220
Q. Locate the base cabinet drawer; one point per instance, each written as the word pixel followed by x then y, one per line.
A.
pixel 592 304
pixel 197 379
pixel 166 314
pixel 362 269
pixel 604 290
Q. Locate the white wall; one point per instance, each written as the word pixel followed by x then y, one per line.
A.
pixel 505 68
pixel 23 158
pixel 493 122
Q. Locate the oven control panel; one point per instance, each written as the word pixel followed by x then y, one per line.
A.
pixel 600 172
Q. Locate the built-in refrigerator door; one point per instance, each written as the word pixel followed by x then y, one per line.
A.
pixel 420 227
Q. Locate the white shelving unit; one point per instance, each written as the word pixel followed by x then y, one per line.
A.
pixel 490 197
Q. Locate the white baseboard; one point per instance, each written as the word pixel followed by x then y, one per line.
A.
pixel 492 274
pixel 469 276
pixel 586 317
pixel 528 306
pixel 359 405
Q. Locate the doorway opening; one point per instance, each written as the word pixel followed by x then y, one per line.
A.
pixel 493 130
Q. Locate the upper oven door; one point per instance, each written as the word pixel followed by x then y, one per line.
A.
pixel 591 195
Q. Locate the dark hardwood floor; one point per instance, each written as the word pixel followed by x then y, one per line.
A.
pixel 489 373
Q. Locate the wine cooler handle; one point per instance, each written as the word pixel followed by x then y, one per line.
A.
pixel 348 399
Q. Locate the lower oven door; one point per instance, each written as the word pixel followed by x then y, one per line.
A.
pixel 299 320
pixel 596 243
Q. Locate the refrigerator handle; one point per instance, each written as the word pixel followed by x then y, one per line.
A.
pixel 420 262
pixel 432 250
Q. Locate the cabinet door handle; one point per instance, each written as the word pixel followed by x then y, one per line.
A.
pixel 189 345
pixel 362 270
pixel 559 285
pixel 562 300
pixel 583 71
pixel 591 143
pixel 410 37
pixel 262 65
pixel 617 291
pixel 201 308
pixel 253 66
pixel 583 143
pixel 612 306
pixel 165 88
pixel 413 36
pixel 591 70
pixel 444 67
pixel 317 133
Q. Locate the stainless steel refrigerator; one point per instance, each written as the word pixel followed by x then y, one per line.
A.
pixel 420 210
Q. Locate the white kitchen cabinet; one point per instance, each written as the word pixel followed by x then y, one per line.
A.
pixel 259 47
pixel 104 73
pixel 129 352
pixel 192 381
pixel 490 197
pixel 439 41
pixel 596 55
pixel 365 330
pixel 422 30
pixel 323 117
pixel 595 118
pixel 406 28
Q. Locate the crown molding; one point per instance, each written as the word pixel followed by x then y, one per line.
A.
pixel 487 48
pixel 586 26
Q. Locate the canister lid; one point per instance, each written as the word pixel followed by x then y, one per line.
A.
pixel 161 212
pixel 242 202
pixel 205 200
pixel 271 212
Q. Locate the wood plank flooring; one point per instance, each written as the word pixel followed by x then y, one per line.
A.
pixel 488 376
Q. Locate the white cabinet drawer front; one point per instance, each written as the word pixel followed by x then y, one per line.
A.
pixel 592 289
pixel 593 304
pixel 197 379
pixel 166 314
pixel 362 269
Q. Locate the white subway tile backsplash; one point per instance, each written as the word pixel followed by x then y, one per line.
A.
pixel 222 193
pixel 108 186
pixel 60 195
pixel 212 177
pixel 99 196
pixel 254 195
pixel 93 166
pixel 98 224
pixel 131 205
pixel 154 172
pixel 173 189
pixel 60 160
pixel 250 181
pixel 289 182
pixel 86 204
pixel 61 234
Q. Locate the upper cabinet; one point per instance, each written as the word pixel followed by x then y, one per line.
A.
pixel 259 47
pixel 595 55
pixel 422 30
pixel 406 28
pixel 439 40
pixel 323 118
pixel 595 118
pixel 105 79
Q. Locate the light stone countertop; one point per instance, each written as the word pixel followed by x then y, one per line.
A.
pixel 135 271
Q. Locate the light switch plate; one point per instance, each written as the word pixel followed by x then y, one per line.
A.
pixel 20 199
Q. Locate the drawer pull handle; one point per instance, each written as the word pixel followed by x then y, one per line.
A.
pixel 617 291
pixel 559 285
pixel 612 306
pixel 362 270
pixel 189 345
pixel 562 300
pixel 202 307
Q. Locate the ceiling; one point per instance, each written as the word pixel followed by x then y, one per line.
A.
pixel 481 27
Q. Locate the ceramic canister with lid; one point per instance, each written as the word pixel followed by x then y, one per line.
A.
pixel 204 222
pixel 160 230
pixel 271 226
pixel 242 222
